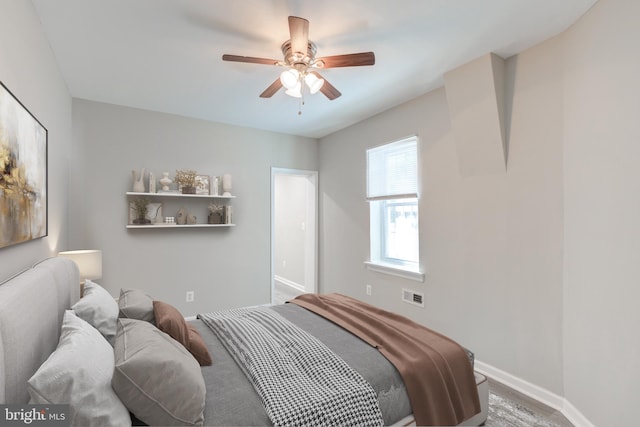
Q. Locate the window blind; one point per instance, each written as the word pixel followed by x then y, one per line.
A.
pixel 392 170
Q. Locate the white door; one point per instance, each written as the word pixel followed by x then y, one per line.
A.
pixel 294 197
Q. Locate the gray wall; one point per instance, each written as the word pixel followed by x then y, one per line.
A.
pixel 535 269
pixel 227 267
pixel 602 212
pixel 29 70
pixel 490 245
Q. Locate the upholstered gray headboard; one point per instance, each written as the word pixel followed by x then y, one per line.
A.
pixel 31 308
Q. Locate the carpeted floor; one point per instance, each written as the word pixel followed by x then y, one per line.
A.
pixel 506 413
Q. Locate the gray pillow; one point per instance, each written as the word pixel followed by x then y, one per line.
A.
pixel 135 304
pixel 98 308
pixel 156 377
pixel 79 373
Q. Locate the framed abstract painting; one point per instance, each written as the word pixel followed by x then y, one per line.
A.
pixel 23 173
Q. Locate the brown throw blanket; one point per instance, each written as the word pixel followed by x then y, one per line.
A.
pixel 435 370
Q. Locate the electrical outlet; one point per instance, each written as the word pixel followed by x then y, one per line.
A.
pixel 368 290
pixel 190 296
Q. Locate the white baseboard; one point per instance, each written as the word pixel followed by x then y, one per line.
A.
pixel 576 417
pixel 288 282
pixel 538 393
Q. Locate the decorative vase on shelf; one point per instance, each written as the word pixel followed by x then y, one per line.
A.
pixel 188 189
pixel 138 181
pixel 226 185
pixel 214 218
pixel 165 181
pixel 215 214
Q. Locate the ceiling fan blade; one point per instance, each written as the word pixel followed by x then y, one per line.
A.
pixel 272 89
pixel 327 88
pixel 249 59
pixel 349 60
pixel 299 33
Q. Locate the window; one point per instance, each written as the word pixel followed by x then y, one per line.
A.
pixel 399 230
pixel 392 192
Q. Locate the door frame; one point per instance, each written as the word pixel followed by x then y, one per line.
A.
pixel 312 176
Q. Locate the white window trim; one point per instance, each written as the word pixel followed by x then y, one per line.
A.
pixel 412 271
pixel 395 270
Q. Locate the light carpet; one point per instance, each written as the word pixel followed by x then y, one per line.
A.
pixel 506 413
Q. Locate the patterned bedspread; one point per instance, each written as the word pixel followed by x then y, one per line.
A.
pixel 300 381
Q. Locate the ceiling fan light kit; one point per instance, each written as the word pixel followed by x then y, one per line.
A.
pixel 295 91
pixel 301 64
pixel 292 80
pixel 314 83
pixel 289 78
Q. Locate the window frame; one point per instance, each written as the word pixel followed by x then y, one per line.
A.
pixel 379 209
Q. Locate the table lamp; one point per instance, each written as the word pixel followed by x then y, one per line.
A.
pixel 89 263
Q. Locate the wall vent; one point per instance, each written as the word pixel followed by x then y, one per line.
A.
pixel 413 297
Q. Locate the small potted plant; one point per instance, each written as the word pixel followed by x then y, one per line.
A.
pixel 186 180
pixel 215 214
pixel 140 207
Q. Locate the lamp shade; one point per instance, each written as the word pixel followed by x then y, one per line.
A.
pixel 289 78
pixel 295 91
pixel 89 263
pixel 314 83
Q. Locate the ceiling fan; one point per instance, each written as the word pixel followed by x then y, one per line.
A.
pixel 301 63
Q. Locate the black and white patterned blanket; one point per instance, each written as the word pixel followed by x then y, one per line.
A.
pixel 300 381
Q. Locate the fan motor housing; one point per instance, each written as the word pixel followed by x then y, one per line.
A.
pixel 299 58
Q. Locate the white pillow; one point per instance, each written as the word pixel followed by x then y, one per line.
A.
pixel 98 308
pixel 79 373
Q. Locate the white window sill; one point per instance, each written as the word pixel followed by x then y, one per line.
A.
pixel 395 270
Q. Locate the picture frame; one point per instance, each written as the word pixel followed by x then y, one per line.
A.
pixel 23 173
pixel 203 184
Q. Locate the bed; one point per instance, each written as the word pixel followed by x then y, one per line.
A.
pixel 34 304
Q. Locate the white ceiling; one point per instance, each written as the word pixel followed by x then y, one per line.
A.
pixel 165 55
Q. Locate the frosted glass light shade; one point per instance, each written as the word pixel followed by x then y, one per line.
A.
pixel 289 78
pixel 313 83
pixel 295 91
pixel 89 263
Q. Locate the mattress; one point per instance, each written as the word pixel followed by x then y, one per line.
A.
pixel 231 399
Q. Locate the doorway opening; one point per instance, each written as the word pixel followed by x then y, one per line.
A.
pixel 294 233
